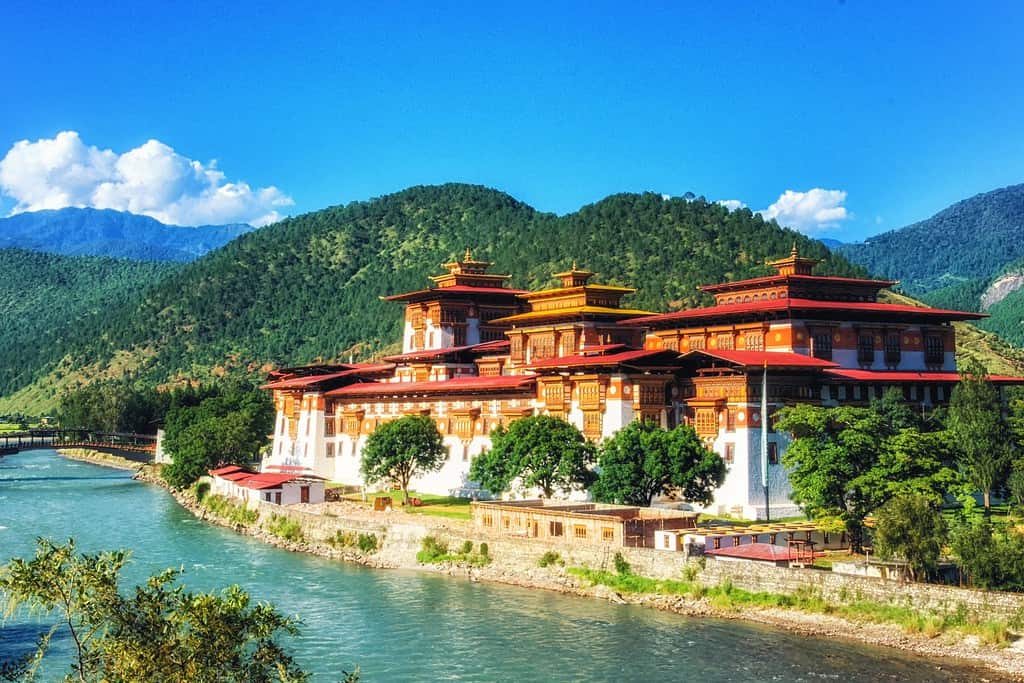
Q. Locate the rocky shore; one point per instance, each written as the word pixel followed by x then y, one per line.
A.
pixel 1000 663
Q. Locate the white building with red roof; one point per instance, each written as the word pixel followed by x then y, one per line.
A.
pixel 476 355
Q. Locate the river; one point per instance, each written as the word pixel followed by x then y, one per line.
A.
pixel 409 626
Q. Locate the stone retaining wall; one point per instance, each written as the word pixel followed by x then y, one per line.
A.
pixel 844 588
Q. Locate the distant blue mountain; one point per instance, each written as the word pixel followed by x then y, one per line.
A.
pixel 118 234
pixel 831 243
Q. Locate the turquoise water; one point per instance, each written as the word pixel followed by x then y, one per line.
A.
pixel 409 626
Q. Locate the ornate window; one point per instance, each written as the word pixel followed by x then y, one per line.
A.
pixel 934 353
pixel 725 340
pixel 607 533
pixel 821 345
pixel 892 349
pixel 866 349
pixel 754 341
pixel 695 343
pixel 579 531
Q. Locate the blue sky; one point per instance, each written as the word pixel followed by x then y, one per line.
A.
pixel 892 111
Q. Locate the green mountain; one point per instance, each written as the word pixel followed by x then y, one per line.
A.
pixel 309 287
pixel 49 302
pixel 969 256
pixel 973 239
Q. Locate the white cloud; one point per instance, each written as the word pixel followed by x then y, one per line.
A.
pixel 151 179
pixel 732 204
pixel 810 212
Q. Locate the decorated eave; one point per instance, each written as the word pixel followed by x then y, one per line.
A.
pixel 573 313
pixel 756 360
pixel 779 309
pixel 770 280
pixel 450 353
pixel 454 292
pixel 459 385
pixel 891 376
pixel 641 359
pixel 307 382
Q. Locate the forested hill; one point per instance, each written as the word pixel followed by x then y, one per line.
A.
pixel 309 287
pixel 117 234
pixel 971 240
pixel 48 302
pixel 969 256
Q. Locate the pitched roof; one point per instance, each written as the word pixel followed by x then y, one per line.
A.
pixel 429 354
pixel 757 359
pixel 809 279
pixel 457 385
pixel 904 376
pixel 793 306
pixel 606 311
pixel 454 289
pixel 227 469
pixel 765 552
pixel 607 359
pixel 306 381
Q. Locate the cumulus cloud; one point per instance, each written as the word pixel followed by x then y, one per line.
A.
pixel 732 204
pixel 810 212
pixel 151 179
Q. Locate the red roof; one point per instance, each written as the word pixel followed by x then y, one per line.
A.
pixel 459 384
pixel 428 354
pixel 758 359
pixel 608 359
pixel 455 289
pixel 897 376
pixel 739 284
pixel 311 380
pixel 790 306
pixel 237 476
pixel 225 470
pixel 267 480
pixel 765 552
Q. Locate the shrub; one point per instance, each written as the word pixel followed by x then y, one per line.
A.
pixel 467 547
pixel 622 567
pixel 549 558
pixel 432 550
pixel 200 489
pixel 285 527
pixel 367 543
pixel 228 510
pixel 484 550
pixel 342 539
pixel 690 571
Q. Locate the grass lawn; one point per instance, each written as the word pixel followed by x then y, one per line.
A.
pixel 10 427
pixel 737 521
pixel 437 506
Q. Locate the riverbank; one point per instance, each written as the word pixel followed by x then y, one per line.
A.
pixel 336 531
pixel 99 458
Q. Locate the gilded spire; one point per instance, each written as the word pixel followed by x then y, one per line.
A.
pixel 795 252
pixel 469 255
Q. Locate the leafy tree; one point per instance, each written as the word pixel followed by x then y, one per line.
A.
pixel 157 633
pixel 642 461
pixel 910 528
pixel 1016 483
pixel 846 462
pixel 540 451
pixel 229 428
pixel 401 449
pixel 994 559
pixel 979 433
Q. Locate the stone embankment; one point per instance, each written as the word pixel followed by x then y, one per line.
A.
pixel 332 530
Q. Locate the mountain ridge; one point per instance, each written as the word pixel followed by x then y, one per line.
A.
pixel 76 231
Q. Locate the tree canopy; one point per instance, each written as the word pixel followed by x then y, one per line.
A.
pixel 536 452
pixel 157 632
pixel 642 461
pixel 847 461
pixel 401 449
pixel 910 528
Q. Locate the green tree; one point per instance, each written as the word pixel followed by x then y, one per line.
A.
pixel 401 449
pixel 978 432
pixel 993 558
pixel 1016 483
pixel 910 528
pixel 846 462
pixel 229 428
pixel 642 461
pixel 157 633
pixel 540 451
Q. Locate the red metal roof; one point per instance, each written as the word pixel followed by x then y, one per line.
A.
pixel 608 359
pixel 459 384
pixel 225 470
pixel 237 476
pixel 792 305
pixel 311 380
pixel 897 376
pixel 739 284
pixel 267 480
pixel 455 289
pixel 765 552
pixel 428 354
pixel 760 358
